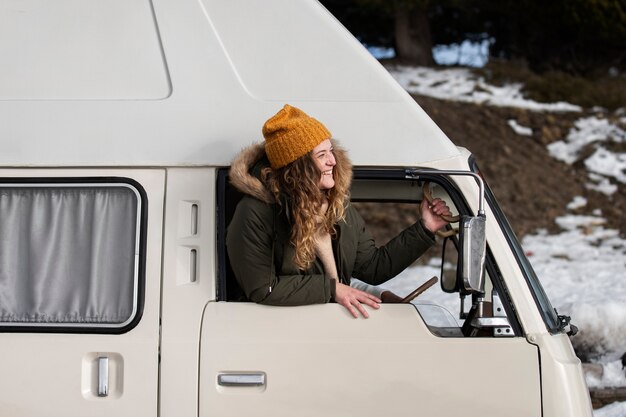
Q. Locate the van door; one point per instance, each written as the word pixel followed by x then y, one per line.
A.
pixel 319 361
pixel 80 268
pixel 406 359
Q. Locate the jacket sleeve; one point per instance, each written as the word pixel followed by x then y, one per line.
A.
pixel 376 265
pixel 250 241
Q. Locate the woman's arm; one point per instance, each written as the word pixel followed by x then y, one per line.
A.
pixel 376 265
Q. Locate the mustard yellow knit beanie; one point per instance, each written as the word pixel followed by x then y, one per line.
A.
pixel 290 134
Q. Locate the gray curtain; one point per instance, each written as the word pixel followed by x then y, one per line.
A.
pixel 68 255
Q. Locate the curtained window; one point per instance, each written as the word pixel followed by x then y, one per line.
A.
pixel 69 254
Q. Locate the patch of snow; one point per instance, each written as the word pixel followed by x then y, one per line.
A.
pixel 380 52
pixel 586 130
pixel 612 376
pixel 601 184
pixel 595 132
pixel 577 202
pixel 460 84
pixel 519 129
pixel 607 163
pixel 471 54
pixel 574 222
pixel 616 409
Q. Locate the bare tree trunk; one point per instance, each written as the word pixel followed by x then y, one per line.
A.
pixel 412 35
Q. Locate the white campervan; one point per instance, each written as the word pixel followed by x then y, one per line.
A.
pixel 118 121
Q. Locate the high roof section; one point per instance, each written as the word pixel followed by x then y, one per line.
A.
pixel 188 82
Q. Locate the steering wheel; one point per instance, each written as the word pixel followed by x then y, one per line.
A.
pixel 420 290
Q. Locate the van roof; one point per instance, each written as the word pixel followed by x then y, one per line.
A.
pixel 183 83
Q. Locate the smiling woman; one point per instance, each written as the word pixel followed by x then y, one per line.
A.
pixel 294 238
pixel 325 160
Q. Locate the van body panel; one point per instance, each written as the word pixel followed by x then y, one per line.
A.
pixel 185 296
pixel 112 52
pixel 57 373
pixel 275 23
pixel 222 89
pixel 389 363
pixel 558 364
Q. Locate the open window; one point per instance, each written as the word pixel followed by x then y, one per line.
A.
pixel 71 254
pixel 388 200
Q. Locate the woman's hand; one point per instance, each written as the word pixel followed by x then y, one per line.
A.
pixel 352 298
pixel 432 212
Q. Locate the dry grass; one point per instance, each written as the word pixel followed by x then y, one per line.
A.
pixel 605 90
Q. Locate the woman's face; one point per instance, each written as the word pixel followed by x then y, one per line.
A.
pixel 325 160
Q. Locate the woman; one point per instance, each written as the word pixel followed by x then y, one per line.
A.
pixel 294 238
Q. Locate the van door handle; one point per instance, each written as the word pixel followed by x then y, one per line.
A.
pixel 241 379
pixel 103 376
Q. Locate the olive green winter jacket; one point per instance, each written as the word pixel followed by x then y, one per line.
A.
pixel 262 257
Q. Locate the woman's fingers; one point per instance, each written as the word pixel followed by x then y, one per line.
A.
pixel 368 299
pixel 352 310
pixel 359 306
pixel 440 208
pixel 353 300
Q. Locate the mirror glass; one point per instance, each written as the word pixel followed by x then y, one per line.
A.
pixel 472 261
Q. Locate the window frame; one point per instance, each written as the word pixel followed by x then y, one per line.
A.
pixel 491 267
pixel 140 251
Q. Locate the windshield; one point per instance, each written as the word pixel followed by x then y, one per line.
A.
pixel 541 299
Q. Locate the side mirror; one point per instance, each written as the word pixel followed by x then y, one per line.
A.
pixel 473 246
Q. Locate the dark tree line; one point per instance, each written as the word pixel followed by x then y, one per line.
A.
pixel 578 36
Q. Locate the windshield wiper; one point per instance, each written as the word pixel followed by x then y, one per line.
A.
pixel 564 321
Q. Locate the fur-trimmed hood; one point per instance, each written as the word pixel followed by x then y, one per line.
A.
pixel 241 177
pixel 244 180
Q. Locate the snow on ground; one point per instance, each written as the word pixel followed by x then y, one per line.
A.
pixel 460 84
pixel 611 410
pixel 467 53
pixel 582 272
pixel 519 129
pixel 602 163
pixel 582 268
